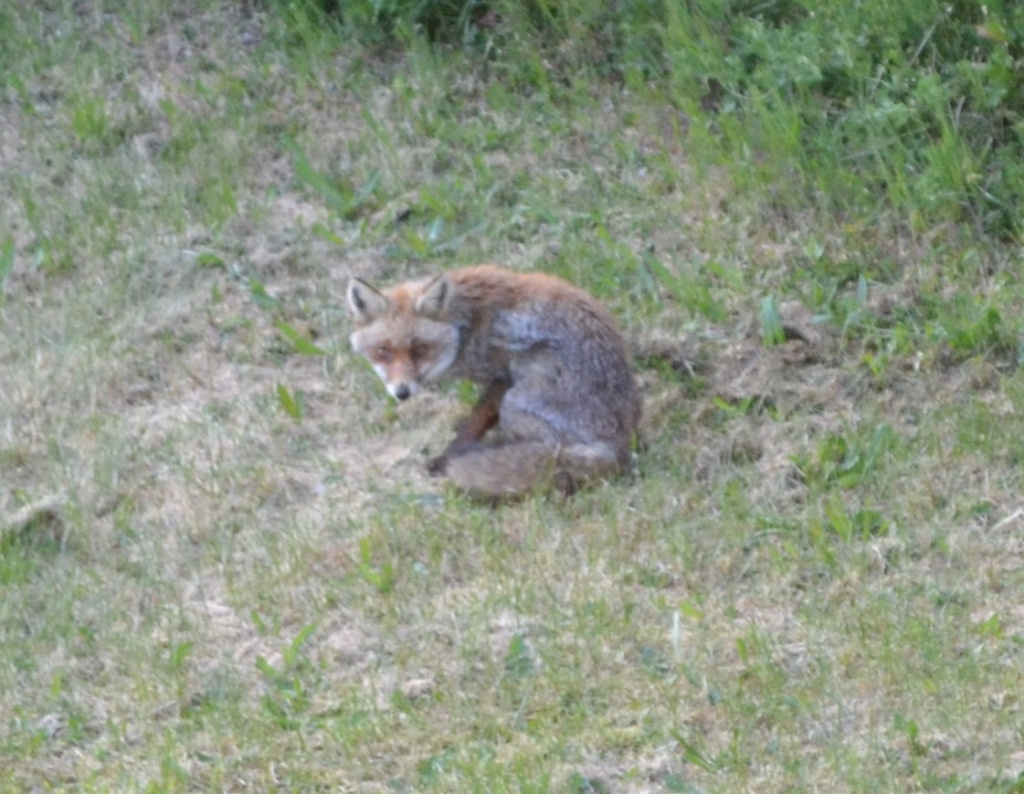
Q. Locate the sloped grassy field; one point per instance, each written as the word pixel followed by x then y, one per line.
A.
pixel 222 565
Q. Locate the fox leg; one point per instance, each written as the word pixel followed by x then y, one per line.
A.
pixel 482 418
pixel 484 415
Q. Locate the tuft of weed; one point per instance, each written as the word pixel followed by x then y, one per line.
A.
pixel 843 102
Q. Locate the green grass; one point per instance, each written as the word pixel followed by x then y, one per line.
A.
pixel 222 565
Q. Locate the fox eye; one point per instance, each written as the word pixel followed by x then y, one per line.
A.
pixel 382 354
pixel 420 351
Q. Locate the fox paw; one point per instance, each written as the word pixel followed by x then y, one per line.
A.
pixel 565 483
pixel 437 467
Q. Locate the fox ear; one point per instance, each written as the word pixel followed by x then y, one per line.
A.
pixel 367 304
pixel 435 297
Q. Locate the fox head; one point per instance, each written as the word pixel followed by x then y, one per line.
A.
pixel 402 332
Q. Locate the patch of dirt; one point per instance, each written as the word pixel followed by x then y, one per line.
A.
pixel 759 405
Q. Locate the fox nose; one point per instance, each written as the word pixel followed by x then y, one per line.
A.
pixel 402 392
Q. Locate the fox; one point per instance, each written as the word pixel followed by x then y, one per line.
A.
pixel 558 404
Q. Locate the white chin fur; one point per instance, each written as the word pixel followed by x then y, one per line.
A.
pixel 393 387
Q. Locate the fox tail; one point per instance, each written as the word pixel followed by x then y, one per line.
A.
pixel 514 468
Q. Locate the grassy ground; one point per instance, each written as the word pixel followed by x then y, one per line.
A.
pixel 222 564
